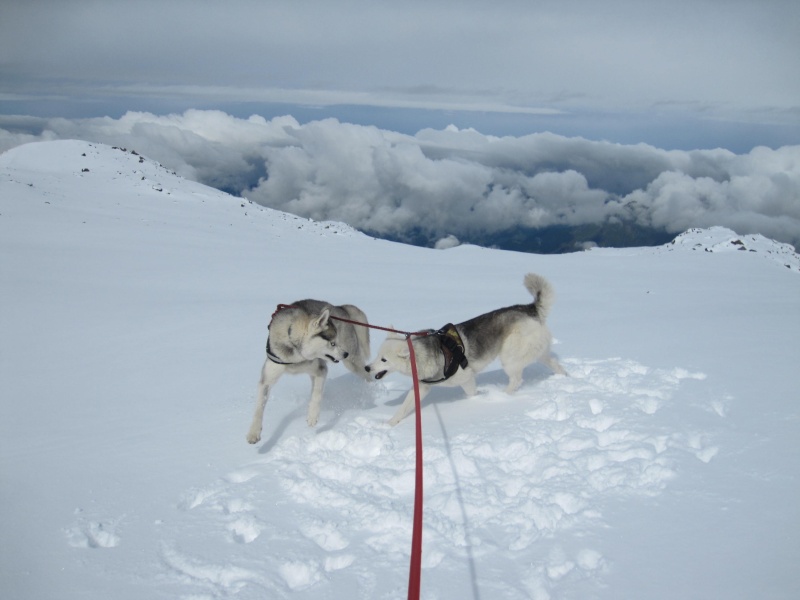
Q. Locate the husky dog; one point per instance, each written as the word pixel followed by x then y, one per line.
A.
pixel 301 337
pixel 455 354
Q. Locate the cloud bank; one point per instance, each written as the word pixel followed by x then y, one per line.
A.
pixel 461 183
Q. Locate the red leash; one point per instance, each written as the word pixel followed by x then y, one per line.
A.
pixel 415 568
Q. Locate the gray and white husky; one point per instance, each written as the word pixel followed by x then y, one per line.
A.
pixel 302 336
pixel 455 354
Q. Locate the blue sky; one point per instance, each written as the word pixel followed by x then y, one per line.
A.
pixel 699 74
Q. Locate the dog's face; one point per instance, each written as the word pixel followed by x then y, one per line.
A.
pixel 393 356
pixel 308 338
pixel 321 340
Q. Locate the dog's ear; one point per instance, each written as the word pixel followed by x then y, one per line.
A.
pixel 321 322
pixel 393 335
pixel 404 353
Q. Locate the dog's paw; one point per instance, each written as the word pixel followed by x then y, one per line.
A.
pixel 312 420
pixel 253 437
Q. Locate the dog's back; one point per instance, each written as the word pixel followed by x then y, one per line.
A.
pixel 486 333
pixel 360 332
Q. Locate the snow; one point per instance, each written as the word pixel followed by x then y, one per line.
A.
pixel 134 314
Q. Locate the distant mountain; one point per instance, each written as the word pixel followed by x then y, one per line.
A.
pixel 556 239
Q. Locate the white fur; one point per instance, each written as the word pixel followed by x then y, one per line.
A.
pixel 527 339
pixel 296 338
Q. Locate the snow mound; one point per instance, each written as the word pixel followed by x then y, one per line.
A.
pixel 79 159
pixel 721 239
pixel 66 169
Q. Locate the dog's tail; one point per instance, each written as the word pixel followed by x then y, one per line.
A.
pixel 543 293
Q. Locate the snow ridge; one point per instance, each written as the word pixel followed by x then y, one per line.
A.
pixel 58 170
pixel 721 239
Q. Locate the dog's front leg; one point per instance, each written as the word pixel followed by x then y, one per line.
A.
pixel 270 373
pixel 408 404
pixel 470 386
pixel 317 384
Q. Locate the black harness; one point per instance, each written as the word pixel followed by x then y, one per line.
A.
pixel 275 358
pixel 270 354
pixel 453 350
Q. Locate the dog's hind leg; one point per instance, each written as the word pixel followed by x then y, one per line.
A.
pixel 408 404
pixel 514 380
pixel 318 374
pixel 555 366
pixel 514 363
pixel 270 373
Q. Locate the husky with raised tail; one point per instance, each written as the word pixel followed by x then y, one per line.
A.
pixel 302 337
pixel 455 354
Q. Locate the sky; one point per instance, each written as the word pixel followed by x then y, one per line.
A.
pixel 688 75
pixel 434 122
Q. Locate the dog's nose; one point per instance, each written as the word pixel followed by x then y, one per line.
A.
pixel 366 368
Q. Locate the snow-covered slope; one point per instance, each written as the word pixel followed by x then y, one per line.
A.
pixel 134 315
pixel 721 239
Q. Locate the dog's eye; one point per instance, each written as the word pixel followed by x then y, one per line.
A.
pixel 383 360
pixel 333 344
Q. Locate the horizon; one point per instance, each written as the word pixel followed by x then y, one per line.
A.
pixel 624 123
pixel 543 192
pixel 685 76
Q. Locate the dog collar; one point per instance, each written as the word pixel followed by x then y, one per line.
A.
pixel 275 358
pixel 270 354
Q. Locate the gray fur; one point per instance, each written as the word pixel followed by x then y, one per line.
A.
pixel 302 337
pixel 516 334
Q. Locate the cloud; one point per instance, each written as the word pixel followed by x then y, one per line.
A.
pixel 758 193
pixel 577 56
pixel 452 182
